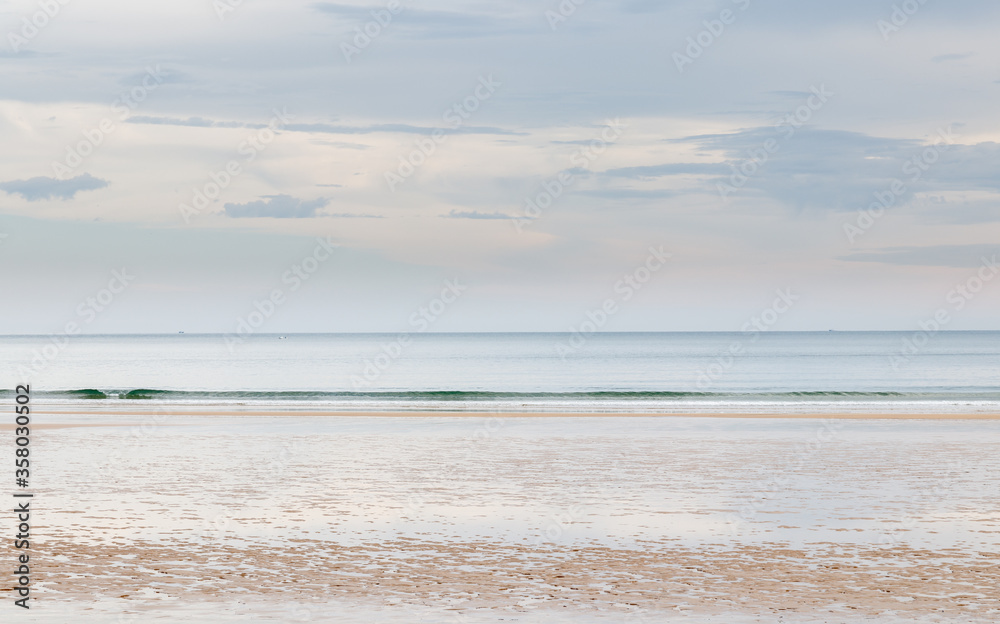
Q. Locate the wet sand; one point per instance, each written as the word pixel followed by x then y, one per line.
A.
pixel 477 577
pixel 303 517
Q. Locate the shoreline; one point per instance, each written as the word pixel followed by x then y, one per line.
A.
pixel 284 412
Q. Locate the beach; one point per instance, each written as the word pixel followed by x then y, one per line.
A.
pixel 459 312
pixel 292 516
pixel 487 478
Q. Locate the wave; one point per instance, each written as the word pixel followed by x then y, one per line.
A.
pixel 87 393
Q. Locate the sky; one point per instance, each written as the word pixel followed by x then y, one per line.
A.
pixel 498 166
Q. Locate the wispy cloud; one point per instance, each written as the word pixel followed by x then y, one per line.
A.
pixel 656 171
pixel 436 23
pixel 836 169
pixel 36 189
pixel 472 214
pixel 276 207
pixel 625 193
pixel 200 122
pixel 957 256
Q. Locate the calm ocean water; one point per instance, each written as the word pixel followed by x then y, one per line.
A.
pixel 646 372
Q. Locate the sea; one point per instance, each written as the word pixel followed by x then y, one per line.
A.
pixel 264 508
pixel 766 372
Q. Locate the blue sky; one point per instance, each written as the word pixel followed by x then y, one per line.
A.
pixel 533 150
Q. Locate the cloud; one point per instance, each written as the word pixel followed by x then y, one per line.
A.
pixel 341 144
pixel 200 122
pixel 813 168
pixel 833 169
pixel 956 256
pixel 351 215
pixel 472 214
pixel 628 193
pixel 937 209
pixel 398 127
pixel 194 122
pixel 656 171
pixel 276 207
pixel 425 23
pixel 34 189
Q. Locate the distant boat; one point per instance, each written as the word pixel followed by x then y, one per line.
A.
pixel 180 332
